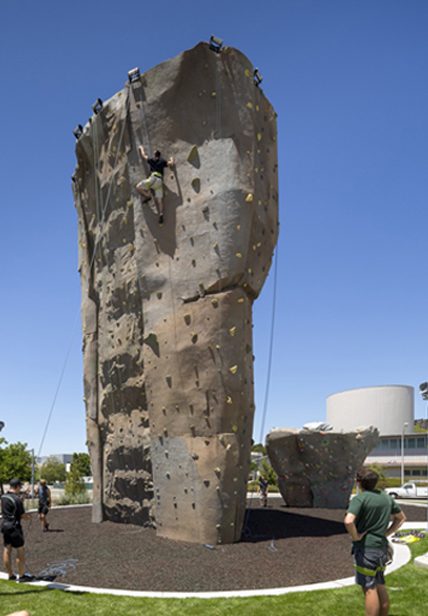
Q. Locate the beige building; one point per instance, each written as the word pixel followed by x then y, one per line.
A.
pixel 390 408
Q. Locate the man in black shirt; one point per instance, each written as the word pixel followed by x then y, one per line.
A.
pixel 154 182
pixel 13 512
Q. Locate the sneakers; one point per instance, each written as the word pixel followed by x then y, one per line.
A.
pixel 12 577
pixel 161 219
pixel 27 577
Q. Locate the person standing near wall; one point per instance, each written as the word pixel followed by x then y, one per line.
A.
pixel 13 512
pixel 367 522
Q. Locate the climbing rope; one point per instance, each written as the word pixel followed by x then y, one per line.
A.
pixel 271 339
pixel 91 263
pixel 247 530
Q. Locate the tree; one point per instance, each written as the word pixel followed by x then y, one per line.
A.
pixel 74 485
pixel 259 448
pixel 83 464
pixel 53 470
pixel 268 473
pixel 15 461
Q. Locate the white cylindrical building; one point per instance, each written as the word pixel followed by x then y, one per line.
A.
pixel 387 407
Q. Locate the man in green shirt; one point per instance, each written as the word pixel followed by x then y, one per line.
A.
pixel 367 521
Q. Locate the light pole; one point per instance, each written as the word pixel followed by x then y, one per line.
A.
pixel 423 388
pixel 32 473
pixel 405 424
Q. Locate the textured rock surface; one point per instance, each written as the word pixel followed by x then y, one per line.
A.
pixel 317 469
pixel 167 309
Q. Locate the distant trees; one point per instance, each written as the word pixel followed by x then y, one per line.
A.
pixel 53 470
pixel 82 463
pixel 80 467
pixel 15 461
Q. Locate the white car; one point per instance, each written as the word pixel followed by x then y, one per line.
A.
pixel 408 490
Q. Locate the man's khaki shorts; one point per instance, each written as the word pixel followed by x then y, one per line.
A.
pixel 153 182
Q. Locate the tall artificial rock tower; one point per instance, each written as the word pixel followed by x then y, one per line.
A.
pixel 167 310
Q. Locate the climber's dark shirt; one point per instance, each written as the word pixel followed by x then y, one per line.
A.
pixel 157 165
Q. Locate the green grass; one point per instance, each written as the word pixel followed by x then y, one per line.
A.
pixel 408 592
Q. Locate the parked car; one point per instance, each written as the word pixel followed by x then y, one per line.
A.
pixel 408 490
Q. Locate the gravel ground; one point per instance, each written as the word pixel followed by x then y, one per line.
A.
pixel 280 547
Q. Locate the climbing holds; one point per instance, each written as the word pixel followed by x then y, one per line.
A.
pixel 233 369
pixel 249 198
pixel 196 185
pixel 232 330
pixel 193 157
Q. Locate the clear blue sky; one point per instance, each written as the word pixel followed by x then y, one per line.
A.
pixel 348 80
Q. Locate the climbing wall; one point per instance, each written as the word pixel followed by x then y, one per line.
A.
pixel 167 310
pixel 317 469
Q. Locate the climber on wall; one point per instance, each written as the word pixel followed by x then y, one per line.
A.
pixel 155 181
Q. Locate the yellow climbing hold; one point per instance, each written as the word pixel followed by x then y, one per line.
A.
pixel 214 302
pixel 249 198
pixel 239 255
pixel 234 428
pixel 241 300
pixel 247 72
pixel 238 227
pixel 257 108
pixel 228 400
pixel 233 369
pixel 250 105
pixel 232 330
pixel 259 136
pixel 213 93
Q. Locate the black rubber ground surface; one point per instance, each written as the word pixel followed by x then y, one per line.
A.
pixel 282 547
